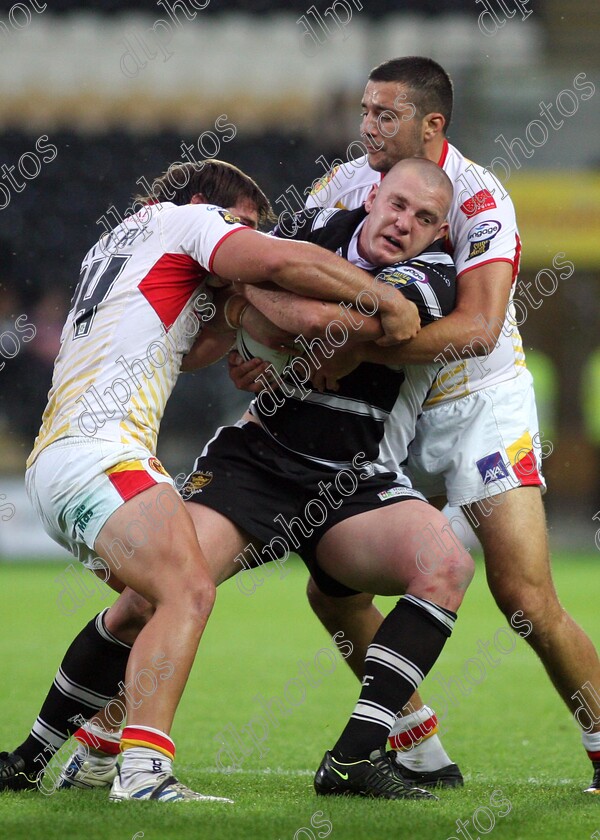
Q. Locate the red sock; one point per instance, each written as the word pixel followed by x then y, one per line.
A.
pixel 96 742
pixel 411 737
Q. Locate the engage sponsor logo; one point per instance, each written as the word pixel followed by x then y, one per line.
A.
pixel 483 231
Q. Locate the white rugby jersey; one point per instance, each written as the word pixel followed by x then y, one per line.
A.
pixel 135 312
pixel 483 229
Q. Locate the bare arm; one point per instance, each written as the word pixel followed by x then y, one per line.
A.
pixel 218 336
pixel 208 348
pixel 309 270
pixel 471 329
pixel 310 317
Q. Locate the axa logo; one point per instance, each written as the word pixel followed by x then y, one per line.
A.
pixel 492 468
pixel 494 474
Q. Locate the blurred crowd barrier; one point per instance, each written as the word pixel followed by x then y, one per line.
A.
pixel 149 70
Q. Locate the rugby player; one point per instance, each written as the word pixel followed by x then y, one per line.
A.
pixel 477 442
pixel 277 458
pixel 93 472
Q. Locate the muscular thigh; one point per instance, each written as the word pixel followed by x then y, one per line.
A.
pixel 514 539
pixel 149 544
pixel 220 539
pixel 384 551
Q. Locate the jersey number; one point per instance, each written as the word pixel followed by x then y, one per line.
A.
pixel 95 282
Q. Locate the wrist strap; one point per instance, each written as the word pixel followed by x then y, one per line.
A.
pixel 233 311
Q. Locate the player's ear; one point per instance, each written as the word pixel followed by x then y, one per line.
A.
pixel 433 124
pixel 443 231
pixel 371 197
pixel 198 198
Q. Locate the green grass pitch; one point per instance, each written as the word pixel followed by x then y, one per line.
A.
pixel 515 742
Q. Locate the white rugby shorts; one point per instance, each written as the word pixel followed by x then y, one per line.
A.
pixel 480 445
pixel 77 483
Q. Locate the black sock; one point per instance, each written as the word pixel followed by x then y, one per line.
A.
pixel 88 677
pixel 403 651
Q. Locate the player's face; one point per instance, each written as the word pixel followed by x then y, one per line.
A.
pixel 405 216
pixel 390 128
pixel 246 211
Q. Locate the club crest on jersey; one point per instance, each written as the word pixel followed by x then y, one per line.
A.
pixel 483 200
pixel 404 276
pixel 492 468
pixel 196 482
pixel 480 237
pixel 155 465
pixel 228 217
pixel 322 182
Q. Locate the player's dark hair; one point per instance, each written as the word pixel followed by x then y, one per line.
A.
pixel 219 182
pixel 429 86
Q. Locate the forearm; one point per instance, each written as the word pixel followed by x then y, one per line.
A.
pixel 458 335
pixel 208 348
pixel 335 279
pixel 216 338
pixel 309 317
pixel 290 312
pixel 300 267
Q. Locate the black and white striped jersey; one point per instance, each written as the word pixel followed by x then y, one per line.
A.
pixel 374 412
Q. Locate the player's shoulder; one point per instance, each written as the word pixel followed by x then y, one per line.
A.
pixel 477 191
pixel 308 224
pixel 170 216
pixel 188 225
pixel 432 266
pixel 345 185
pixel 184 212
pixel 436 255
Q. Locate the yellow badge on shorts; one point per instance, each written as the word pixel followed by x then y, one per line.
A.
pixel 155 465
pixel 196 482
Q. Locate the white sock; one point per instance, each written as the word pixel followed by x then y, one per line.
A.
pixel 143 761
pixel 419 747
pixel 591 743
pixel 94 758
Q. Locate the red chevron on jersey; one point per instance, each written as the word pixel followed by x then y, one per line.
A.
pixel 169 283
